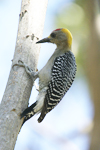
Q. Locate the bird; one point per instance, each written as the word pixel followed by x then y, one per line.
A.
pixel 55 78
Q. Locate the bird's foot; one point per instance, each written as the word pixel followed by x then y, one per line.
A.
pixel 32 73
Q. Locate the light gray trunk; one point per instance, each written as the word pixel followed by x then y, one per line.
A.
pixel 19 86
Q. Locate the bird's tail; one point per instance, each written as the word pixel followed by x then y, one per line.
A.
pixel 28 113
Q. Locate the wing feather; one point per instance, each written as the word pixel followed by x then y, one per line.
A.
pixel 63 74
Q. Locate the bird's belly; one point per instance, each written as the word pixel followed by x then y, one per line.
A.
pixel 44 77
pixel 46 72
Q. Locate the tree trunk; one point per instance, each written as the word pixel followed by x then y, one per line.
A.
pixel 93 69
pixel 19 86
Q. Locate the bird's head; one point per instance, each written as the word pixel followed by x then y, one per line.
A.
pixel 60 37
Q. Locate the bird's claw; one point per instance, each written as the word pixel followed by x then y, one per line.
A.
pixel 20 63
pixel 28 70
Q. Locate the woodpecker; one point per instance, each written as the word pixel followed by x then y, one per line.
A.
pixel 55 78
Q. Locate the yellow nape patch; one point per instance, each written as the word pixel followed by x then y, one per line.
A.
pixel 69 36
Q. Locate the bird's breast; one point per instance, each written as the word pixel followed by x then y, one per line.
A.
pixel 45 75
pixel 46 72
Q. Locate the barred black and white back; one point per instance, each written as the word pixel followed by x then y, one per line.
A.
pixel 62 77
pixel 63 74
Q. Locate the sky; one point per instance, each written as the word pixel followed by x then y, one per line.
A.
pixel 62 128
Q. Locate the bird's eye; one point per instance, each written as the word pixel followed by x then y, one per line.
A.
pixel 53 35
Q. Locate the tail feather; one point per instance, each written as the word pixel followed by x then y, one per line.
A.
pixel 41 117
pixel 28 113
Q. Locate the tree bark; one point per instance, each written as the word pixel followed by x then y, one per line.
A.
pixel 19 85
pixel 93 69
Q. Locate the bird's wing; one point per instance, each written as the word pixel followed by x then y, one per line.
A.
pixel 63 74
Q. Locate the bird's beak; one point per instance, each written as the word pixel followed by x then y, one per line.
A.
pixel 44 40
